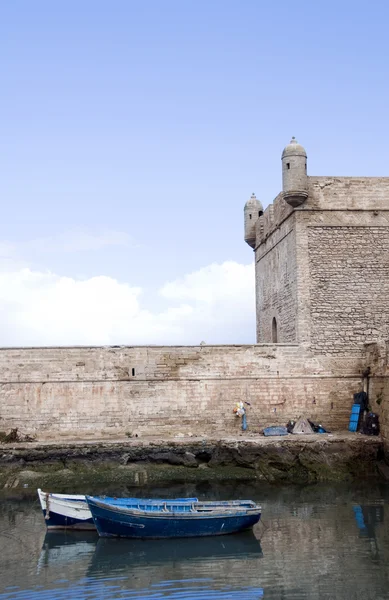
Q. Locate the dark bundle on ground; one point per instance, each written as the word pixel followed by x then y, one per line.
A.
pixel 14 436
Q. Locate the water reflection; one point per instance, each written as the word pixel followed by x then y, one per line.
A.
pixel 367 518
pixel 66 547
pixel 174 565
pixel 124 555
pixel 321 543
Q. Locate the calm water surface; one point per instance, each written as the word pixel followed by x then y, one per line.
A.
pixel 316 542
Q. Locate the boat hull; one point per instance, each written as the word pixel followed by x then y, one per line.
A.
pixel 58 521
pixel 66 511
pixel 113 522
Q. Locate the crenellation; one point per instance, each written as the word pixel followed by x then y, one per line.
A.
pixel 273 217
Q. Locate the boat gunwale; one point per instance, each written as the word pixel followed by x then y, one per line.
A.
pixel 191 515
pixel 61 497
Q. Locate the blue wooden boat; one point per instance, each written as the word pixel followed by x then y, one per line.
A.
pixel 172 518
pixel 71 511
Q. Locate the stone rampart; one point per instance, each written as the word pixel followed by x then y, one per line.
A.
pixel 83 392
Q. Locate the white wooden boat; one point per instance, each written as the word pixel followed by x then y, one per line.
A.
pixel 65 511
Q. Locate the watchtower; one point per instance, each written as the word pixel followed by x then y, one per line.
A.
pixel 321 259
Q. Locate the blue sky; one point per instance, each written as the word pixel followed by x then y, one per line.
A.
pixel 133 132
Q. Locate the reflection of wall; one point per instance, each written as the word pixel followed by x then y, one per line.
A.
pixel 322 557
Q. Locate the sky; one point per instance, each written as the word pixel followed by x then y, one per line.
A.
pixel 133 132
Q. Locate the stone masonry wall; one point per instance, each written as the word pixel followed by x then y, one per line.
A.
pixel 349 287
pixel 348 193
pixel 59 393
pixel 378 360
pixel 379 403
pixel 276 285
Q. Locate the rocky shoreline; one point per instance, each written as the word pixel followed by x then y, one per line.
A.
pixel 297 459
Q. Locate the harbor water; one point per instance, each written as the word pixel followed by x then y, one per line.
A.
pixel 314 542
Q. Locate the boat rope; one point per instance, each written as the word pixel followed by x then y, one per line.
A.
pixel 47 516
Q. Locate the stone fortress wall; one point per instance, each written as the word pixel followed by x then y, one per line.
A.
pixel 59 393
pixel 322 302
pixel 322 269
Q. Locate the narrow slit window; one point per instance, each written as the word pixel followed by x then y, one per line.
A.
pixel 250 216
pixel 133 372
pixel 274 333
pixel 288 165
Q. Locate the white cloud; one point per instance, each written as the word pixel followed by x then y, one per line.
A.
pixel 214 304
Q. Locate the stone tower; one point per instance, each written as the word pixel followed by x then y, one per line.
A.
pixel 322 260
pixel 252 211
pixel 294 174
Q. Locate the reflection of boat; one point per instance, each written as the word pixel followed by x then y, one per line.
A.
pixel 172 519
pixel 127 554
pixel 158 567
pixel 61 548
pixel 71 511
pixel 367 517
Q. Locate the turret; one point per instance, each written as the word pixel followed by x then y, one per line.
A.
pixel 252 211
pixel 294 174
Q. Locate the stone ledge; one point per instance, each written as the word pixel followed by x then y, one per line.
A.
pixel 182 440
pixel 292 458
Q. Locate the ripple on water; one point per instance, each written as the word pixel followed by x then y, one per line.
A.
pixel 321 542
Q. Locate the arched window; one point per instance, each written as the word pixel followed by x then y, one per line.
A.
pixel 274 335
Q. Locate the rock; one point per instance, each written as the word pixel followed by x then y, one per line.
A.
pixel 383 468
pixel 190 460
pixel 186 459
pixel 65 473
pixel 167 457
pixel 29 475
pixel 125 458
